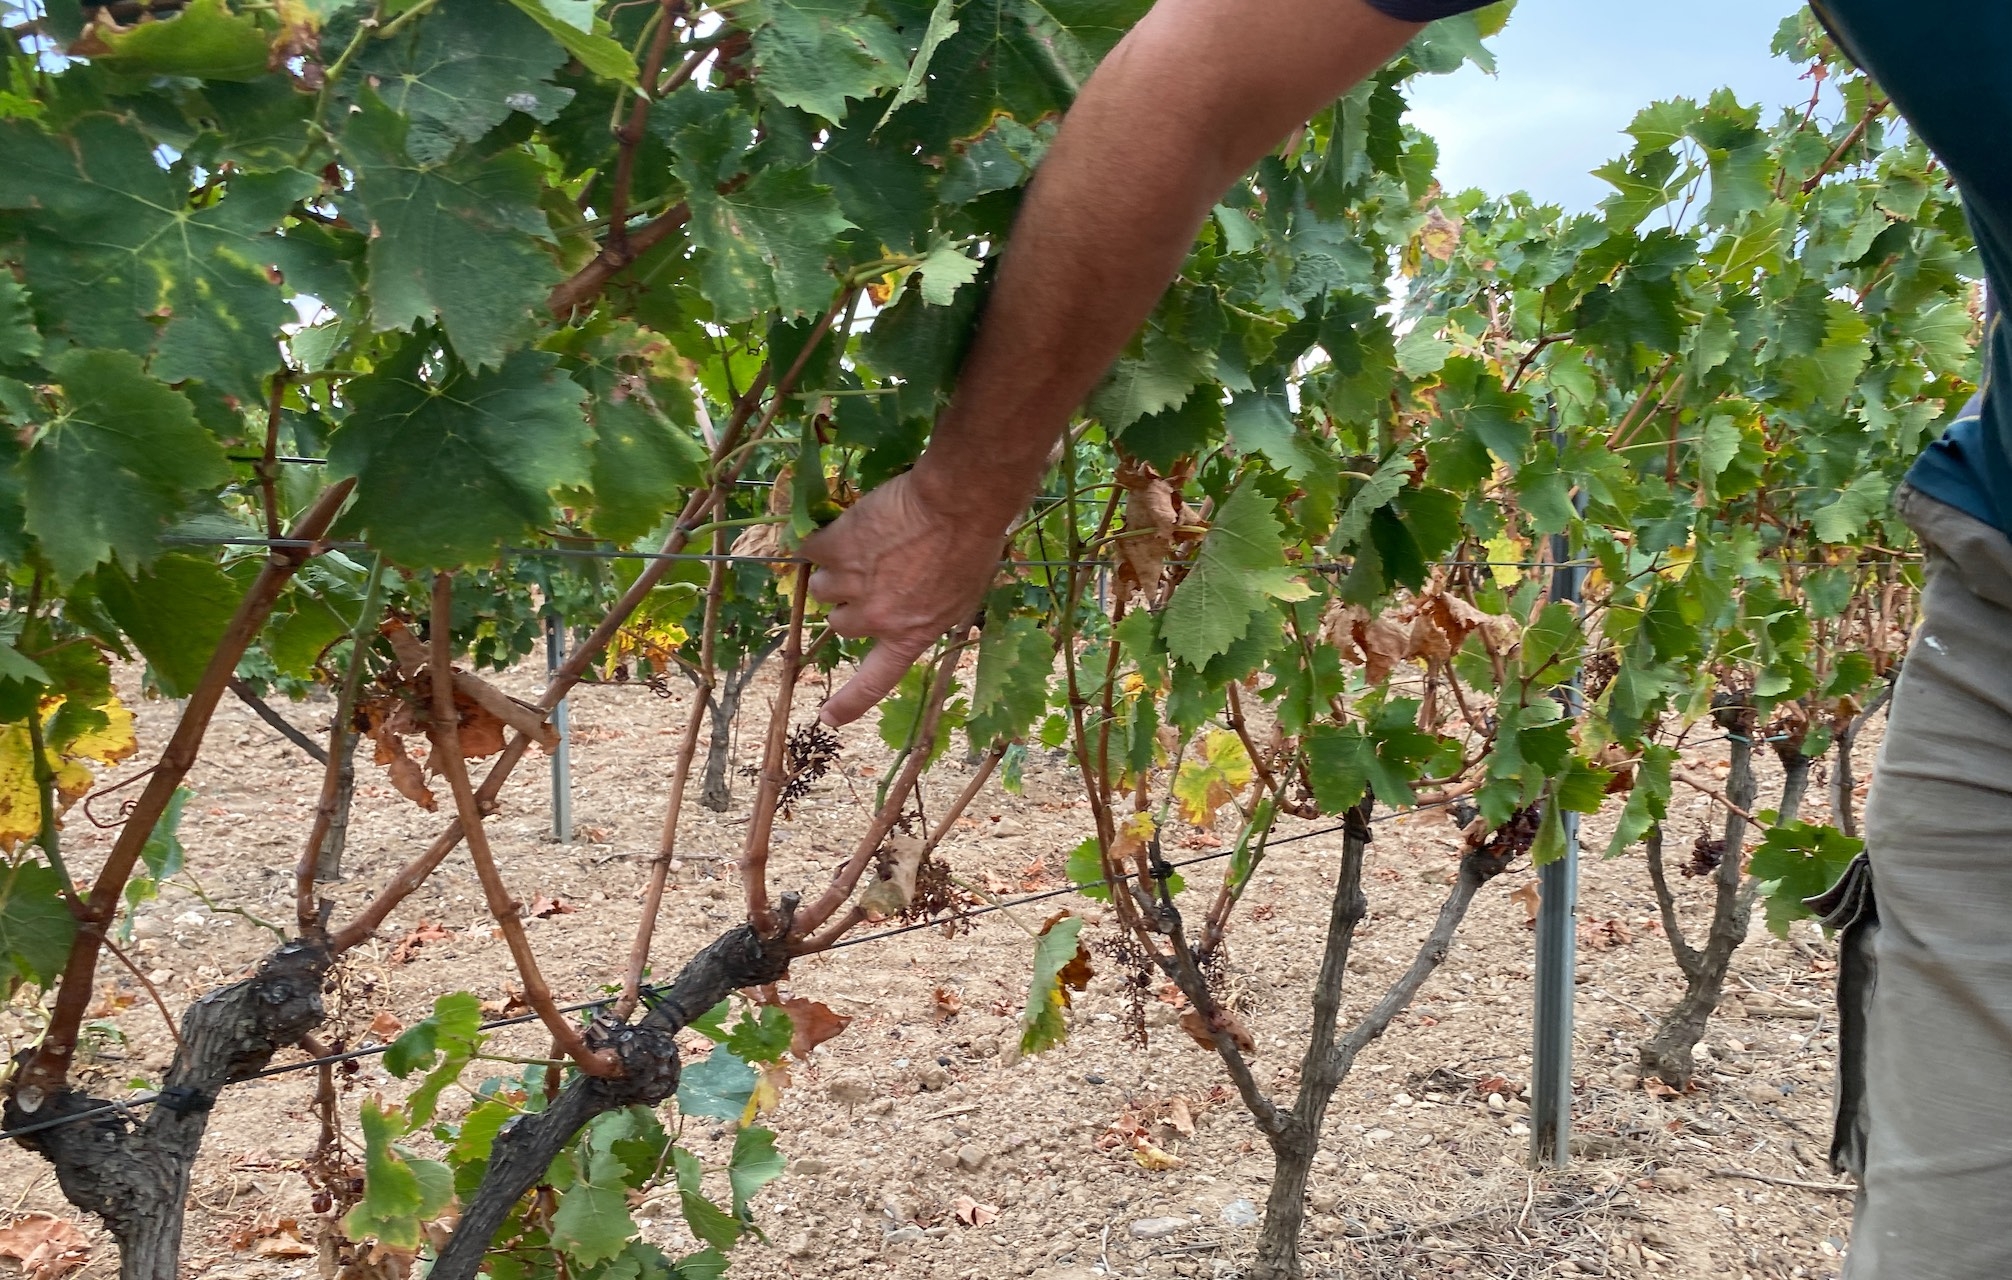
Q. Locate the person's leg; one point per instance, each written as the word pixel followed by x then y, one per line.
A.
pixel 1936 1202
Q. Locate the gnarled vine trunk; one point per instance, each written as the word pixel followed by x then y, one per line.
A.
pixel 136 1176
pixel 1294 1134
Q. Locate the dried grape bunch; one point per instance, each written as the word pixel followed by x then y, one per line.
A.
pixel 1706 854
pixel 1136 972
pixel 810 751
pixel 937 895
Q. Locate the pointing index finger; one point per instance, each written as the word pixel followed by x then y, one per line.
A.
pixel 875 678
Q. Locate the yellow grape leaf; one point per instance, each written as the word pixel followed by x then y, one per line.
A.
pixel 1504 553
pixel 1153 1158
pixel 1133 835
pixel 771 1078
pixel 1205 785
pixel 655 630
pixel 20 798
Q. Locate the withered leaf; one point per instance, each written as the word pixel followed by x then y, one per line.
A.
pixel 812 1023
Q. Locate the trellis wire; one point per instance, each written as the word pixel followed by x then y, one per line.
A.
pixel 702 557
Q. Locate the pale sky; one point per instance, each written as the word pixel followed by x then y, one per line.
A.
pixel 1572 73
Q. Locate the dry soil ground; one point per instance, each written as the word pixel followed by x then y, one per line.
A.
pixel 912 1108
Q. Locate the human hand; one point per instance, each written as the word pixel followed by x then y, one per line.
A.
pixel 903 565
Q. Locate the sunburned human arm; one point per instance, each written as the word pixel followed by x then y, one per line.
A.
pixel 1191 97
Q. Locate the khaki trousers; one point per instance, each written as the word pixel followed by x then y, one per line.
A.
pixel 1925 987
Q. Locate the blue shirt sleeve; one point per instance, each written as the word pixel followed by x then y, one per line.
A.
pixel 1425 10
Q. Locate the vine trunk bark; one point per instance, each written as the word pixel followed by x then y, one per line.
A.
pixel 1329 1058
pixel 717 792
pixel 135 1177
pixel 526 1146
pixel 1668 1054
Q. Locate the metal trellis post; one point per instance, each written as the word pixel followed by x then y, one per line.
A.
pixel 562 756
pixel 1557 929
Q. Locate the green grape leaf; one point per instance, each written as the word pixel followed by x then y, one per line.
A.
pixel 1582 788
pixel 1018 58
pixel 163 855
pixel 1010 688
pixel 815 54
pixel 1551 644
pixel 1377 491
pixel 592 1223
pixel 1648 800
pixel 1799 860
pixel 1241 566
pixel 174 611
pixel 708 1221
pixel 754 1164
pixel 572 25
pixel 19 341
pixel 155 274
pixel 35 925
pixel 15 666
pixel 901 713
pixel 451 463
pixel 119 460
pixel 393 1200
pixel 642 459
pixel 1550 843
pixel 712 1024
pixel 462 71
pixel 1383 755
pixel 717 1087
pixel 915 84
pixel 1164 438
pixel 1086 871
pixel 942 272
pixel 1858 504
pixel 706 1264
pixel 765 244
pixel 1155 374
pixel 453 1032
pixel 761 1035
pixel 205 41
pixel 487 292
pixel 1060 963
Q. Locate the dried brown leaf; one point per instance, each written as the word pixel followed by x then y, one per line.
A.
pixel 973 1214
pixel 1152 514
pixel 422 933
pixel 1199 1029
pixel 401 768
pixel 812 1023
pixel 46 1246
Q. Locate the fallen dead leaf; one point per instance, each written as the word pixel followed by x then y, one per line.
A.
pixel 1530 896
pixel 973 1214
pixel 946 1003
pixel 422 933
pixel 46 1246
pixel 544 908
pixel 384 1026
pixel 1153 1158
pixel 283 1245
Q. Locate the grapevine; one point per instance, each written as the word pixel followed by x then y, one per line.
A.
pixel 345 347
